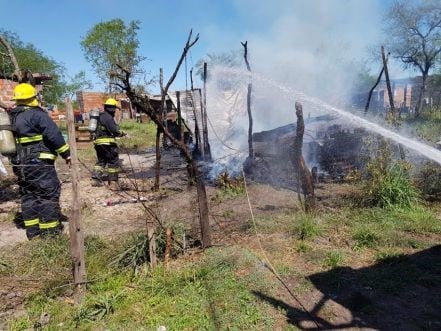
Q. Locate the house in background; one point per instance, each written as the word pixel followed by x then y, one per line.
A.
pixel 405 95
pixel 94 100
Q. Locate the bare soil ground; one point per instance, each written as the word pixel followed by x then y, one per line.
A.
pixel 340 298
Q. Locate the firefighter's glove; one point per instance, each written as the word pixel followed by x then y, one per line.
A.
pixel 68 161
pixel 122 134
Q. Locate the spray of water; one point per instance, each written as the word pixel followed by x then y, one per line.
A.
pixel 319 105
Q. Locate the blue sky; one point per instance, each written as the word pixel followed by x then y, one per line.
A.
pixel 282 34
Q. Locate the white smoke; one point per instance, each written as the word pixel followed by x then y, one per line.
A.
pixel 310 46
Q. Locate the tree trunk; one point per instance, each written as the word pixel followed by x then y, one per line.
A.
pixel 419 105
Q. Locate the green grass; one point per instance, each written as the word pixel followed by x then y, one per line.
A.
pixel 197 295
pixel 216 289
pixel 427 125
pixel 139 135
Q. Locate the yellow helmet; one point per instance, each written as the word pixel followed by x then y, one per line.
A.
pixel 111 102
pixel 24 91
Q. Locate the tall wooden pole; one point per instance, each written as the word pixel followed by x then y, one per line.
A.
pixel 250 114
pixel 389 89
pixel 75 228
pixel 178 108
pixel 206 144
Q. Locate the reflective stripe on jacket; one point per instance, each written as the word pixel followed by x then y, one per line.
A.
pixel 38 134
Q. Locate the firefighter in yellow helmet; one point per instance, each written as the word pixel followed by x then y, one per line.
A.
pixel 107 166
pixel 39 141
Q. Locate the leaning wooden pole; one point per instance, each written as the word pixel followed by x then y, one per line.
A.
pixel 368 102
pixel 75 228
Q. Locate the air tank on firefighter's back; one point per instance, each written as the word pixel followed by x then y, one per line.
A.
pixel 93 122
pixel 7 140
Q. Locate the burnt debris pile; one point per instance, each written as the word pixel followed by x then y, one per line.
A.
pixel 331 151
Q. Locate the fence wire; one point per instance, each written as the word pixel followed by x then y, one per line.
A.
pixel 38 197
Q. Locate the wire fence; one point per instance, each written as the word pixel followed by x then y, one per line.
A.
pixel 38 195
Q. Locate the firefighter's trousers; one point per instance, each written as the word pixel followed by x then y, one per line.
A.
pixel 40 197
pixel 107 166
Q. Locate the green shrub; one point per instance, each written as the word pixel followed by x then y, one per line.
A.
pixel 365 236
pixel 306 228
pixel 333 259
pixel 390 186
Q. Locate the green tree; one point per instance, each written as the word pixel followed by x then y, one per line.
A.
pixel 33 60
pixel 111 47
pixel 414 37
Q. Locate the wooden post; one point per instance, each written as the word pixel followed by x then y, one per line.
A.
pixel 304 175
pixel 152 243
pixel 178 106
pixel 203 206
pixel 206 146
pixel 75 228
pixel 168 243
pixel 158 139
pixel 250 115
pixel 389 89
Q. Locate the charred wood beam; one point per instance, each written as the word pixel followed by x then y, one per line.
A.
pixel 304 175
pixel 376 83
pixel 250 114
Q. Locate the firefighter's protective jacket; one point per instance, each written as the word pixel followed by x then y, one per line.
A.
pixel 107 130
pixel 37 134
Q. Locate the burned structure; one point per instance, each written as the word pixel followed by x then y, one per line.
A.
pixel 185 117
pixel 331 151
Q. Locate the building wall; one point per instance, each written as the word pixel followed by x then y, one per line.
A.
pixel 402 95
pixel 94 100
pixel 90 100
pixel 7 91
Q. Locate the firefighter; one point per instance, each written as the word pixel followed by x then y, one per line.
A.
pixel 39 141
pixel 107 166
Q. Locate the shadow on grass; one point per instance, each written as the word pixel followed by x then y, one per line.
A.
pixel 398 293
